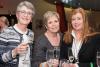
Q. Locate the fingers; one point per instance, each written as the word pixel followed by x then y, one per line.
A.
pixel 22 48
pixel 68 65
pixel 54 62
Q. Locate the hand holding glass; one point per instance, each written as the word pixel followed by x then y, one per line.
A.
pixel 27 39
pixel 56 53
pixel 52 56
pixel 49 57
pixel 70 55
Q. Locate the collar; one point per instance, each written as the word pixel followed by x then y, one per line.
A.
pixel 17 29
pixel 73 34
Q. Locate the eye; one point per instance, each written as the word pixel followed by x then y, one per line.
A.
pixel 78 18
pixel 23 12
pixel 56 21
pixel 49 22
pixel 29 13
pixel 73 19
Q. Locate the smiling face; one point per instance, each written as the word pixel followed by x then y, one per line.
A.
pixel 24 15
pixel 52 24
pixel 77 22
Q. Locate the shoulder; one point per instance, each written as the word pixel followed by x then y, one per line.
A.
pixel 94 37
pixel 42 38
pixel 7 32
pixel 97 36
pixel 31 33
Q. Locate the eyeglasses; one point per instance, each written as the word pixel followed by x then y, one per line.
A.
pixel 24 12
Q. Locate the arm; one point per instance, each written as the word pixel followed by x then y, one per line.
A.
pixel 9 48
pixel 5 53
pixel 39 52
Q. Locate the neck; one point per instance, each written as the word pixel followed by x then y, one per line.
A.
pixel 51 34
pixel 22 27
pixel 78 34
pixel 54 38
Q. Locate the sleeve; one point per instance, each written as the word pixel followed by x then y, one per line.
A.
pixel 98 42
pixel 39 52
pixel 87 65
pixel 95 41
pixel 63 51
pixel 5 54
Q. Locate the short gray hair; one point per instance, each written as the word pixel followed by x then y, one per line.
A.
pixel 27 4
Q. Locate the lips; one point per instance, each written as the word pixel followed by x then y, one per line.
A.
pixel 55 28
pixel 76 25
pixel 25 18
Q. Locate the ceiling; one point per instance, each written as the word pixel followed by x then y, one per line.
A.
pixel 86 4
pixel 9 6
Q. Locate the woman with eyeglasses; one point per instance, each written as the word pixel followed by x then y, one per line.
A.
pixel 16 41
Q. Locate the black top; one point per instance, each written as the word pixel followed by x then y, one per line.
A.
pixel 87 53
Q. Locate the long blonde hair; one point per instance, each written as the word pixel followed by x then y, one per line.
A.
pixel 86 28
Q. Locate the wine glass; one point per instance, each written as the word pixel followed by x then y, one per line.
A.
pixel 27 40
pixel 56 53
pixel 70 55
pixel 49 57
pixel 98 58
pixel 62 61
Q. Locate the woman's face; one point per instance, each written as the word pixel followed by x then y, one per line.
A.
pixel 77 22
pixel 52 24
pixel 24 16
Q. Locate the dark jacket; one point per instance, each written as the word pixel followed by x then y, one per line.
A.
pixel 87 53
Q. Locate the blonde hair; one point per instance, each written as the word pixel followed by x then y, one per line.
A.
pixel 86 29
pixel 49 14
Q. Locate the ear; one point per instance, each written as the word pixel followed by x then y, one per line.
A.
pixel 17 15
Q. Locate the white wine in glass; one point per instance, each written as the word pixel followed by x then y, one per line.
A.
pixel 49 56
pixel 70 55
pixel 56 53
pixel 27 39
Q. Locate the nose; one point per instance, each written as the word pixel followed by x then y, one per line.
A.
pixel 26 14
pixel 75 21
